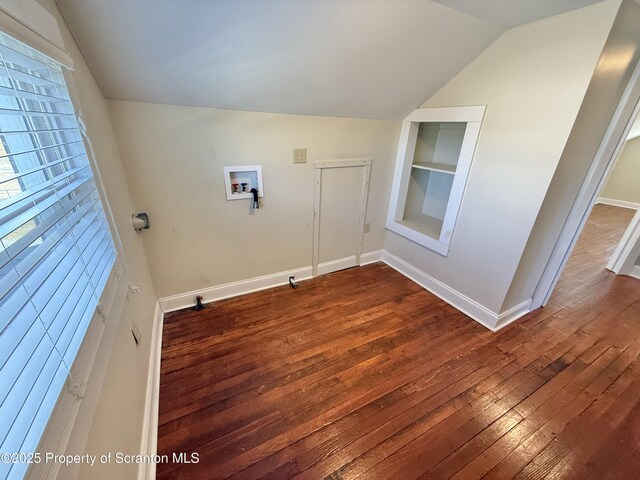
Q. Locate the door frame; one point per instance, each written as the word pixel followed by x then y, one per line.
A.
pixel 320 166
pixel 608 151
pixel 628 250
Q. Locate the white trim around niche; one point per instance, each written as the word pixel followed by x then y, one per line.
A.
pixel 440 240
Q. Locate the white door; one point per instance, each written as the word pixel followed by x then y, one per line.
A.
pixel 340 204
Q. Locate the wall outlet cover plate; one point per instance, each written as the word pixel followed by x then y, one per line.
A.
pixel 299 155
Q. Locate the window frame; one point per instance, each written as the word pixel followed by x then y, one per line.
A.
pixel 88 368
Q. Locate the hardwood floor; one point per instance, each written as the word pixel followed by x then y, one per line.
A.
pixel 363 374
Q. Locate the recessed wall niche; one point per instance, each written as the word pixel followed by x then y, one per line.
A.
pixel 240 180
pixel 435 152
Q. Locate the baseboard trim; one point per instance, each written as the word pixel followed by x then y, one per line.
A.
pixel 348 262
pixel 233 289
pixel 481 314
pixel 149 442
pixel 335 265
pixel 371 257
pixel 513 314
pixel 618 203
pixel 242 287
pixel 635 272
pixel 469 307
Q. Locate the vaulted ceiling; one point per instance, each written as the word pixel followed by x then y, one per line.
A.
pixel 355 58
pixel 511 13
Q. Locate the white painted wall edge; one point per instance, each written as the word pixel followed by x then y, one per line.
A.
pixel 149 442
pixel 618 203
pixel 242 287
pixel 487 318
pixel 635 272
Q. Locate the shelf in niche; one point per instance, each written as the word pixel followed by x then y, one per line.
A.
pixel 424 224
pixel 435 167
pixel 435 151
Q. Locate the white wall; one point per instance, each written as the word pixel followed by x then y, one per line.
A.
pixel 174 157
pixel 623 183
pixel 116 422
pixel 617 62
pixel 532 79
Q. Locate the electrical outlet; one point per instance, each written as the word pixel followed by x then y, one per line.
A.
pixel 367 227
pixel 299 155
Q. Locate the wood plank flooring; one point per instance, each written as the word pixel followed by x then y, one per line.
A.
pixel 363 374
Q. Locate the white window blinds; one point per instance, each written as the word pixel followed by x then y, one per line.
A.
pixel 56 250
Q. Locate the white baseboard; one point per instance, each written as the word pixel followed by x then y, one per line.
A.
pixel 481 314
pixel 618 203
pixel 347 262
pixel 233 289
pixel 149 442
pixel 460 301
pixel 513 314
pixel 335 265
pixel 371 257
pixel 486 317
pixel 635 272
pixel 242 287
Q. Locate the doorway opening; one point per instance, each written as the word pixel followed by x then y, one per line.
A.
pixel 611 145
pixel 624 183
pixel 610 239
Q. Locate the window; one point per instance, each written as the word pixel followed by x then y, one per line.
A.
pixel 56 250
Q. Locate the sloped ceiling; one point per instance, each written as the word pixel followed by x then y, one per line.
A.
pixel 353 58
pixel 511 13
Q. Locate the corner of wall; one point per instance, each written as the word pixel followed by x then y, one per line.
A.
pixel 533 78
pixel 601 99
